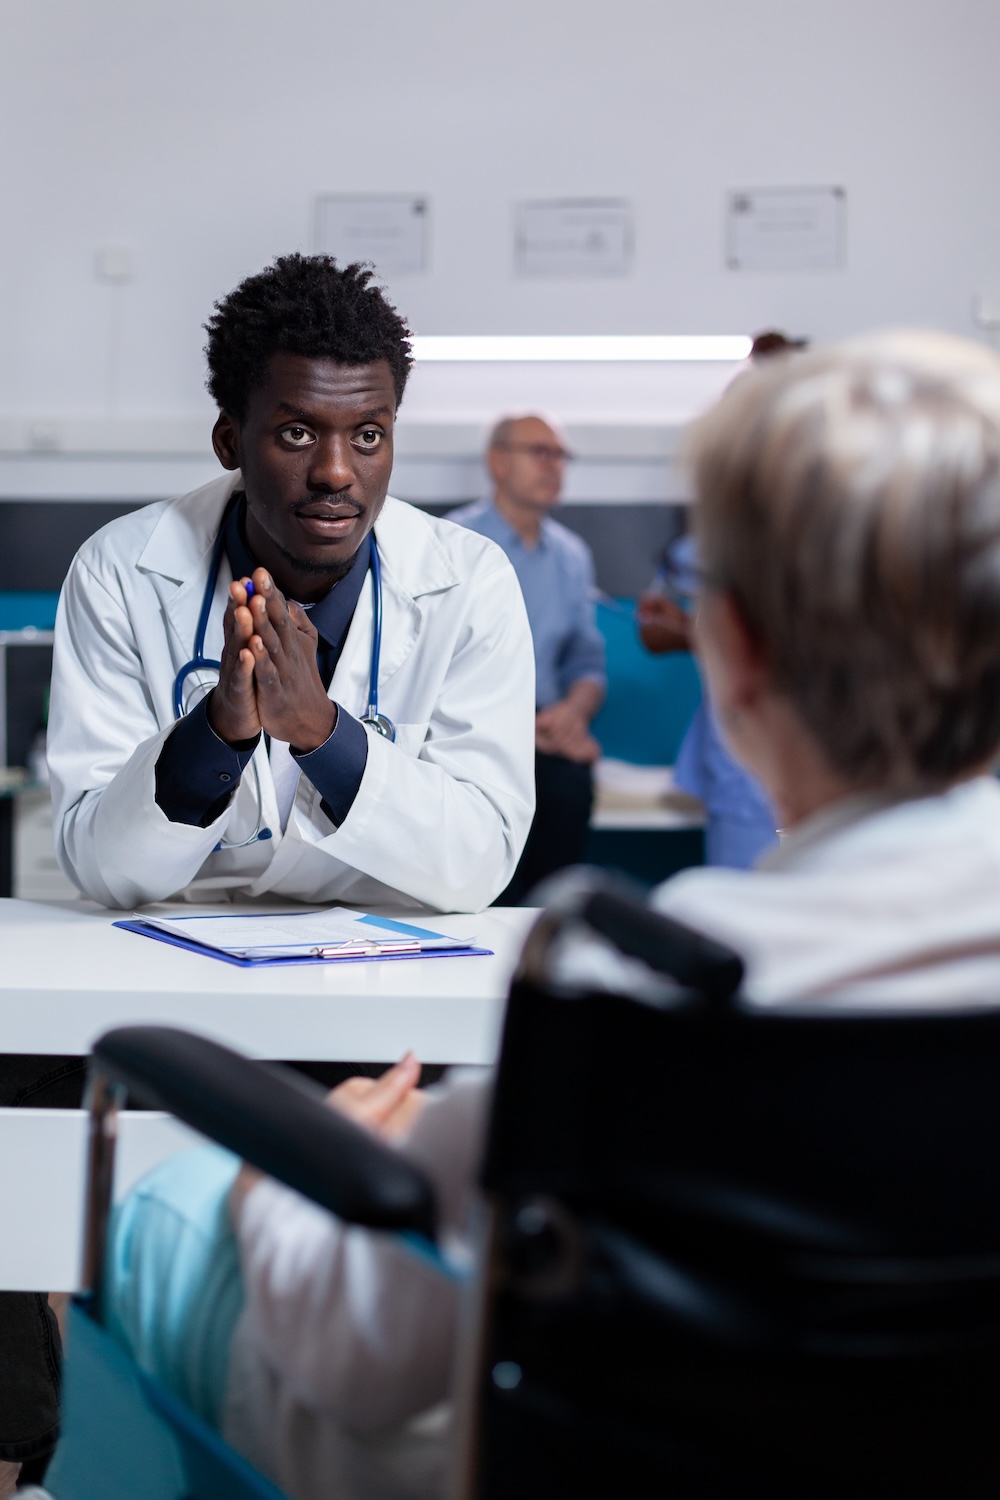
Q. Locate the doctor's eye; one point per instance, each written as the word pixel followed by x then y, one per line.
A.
pixel 368 438
pixel 297 437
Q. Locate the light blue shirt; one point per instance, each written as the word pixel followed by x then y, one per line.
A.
pixel 557 581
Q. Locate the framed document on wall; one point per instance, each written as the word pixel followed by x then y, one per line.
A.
pixel 574 237
pixel 389 229
pixel 786 229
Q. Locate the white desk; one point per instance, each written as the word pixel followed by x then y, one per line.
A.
pixel 641 799
pixel 652 819
pixel 67 975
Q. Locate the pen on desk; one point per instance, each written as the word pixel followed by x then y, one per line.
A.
pixel 364 949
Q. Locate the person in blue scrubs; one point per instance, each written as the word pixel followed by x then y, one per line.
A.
pixel 740 822
pixel 527 459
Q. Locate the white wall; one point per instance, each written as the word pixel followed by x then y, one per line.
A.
pixel 198 132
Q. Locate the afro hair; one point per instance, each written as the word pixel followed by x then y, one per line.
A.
pixel 302 304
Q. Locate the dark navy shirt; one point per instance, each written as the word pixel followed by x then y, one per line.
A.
pixel 197 772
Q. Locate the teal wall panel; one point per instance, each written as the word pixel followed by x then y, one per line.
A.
pixel 651 699
pixel 19 609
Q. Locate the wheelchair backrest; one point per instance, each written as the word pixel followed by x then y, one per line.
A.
pixel 740 1252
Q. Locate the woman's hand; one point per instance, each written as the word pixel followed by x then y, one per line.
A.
pixel 387 1106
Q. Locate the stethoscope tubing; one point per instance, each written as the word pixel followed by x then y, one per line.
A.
pixel 199 661
pixel 379 722
pixel 376 653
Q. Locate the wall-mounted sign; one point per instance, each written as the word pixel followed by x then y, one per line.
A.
pixel 786 229
pixel 389 229
pixel 574 237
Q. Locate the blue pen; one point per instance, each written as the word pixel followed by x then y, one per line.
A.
pixel 250 589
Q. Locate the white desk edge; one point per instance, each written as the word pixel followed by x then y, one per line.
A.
pixel 68 976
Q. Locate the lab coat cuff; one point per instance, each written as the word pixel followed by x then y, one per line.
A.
pixel 336 767
pixel 197 772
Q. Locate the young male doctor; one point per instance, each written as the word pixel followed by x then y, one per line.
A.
pixel 367 732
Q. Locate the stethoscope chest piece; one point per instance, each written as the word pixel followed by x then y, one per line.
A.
pixel 381 725
pixel 379 722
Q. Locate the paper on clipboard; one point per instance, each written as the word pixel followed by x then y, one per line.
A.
pixel 335 932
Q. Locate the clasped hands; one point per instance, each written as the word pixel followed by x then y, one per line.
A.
pixel 269 677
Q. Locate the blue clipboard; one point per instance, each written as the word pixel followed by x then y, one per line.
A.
pixel 145 930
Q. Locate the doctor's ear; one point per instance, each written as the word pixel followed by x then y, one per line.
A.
pixel 226 441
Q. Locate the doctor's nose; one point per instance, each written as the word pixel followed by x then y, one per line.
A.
pixel 332 466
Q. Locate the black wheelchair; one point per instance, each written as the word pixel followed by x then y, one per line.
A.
pixel 729 1252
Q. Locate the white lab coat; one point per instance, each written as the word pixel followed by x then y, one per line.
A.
pixel 441 815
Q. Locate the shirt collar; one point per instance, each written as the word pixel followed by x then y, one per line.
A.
pixel 815 830
pixel 332 614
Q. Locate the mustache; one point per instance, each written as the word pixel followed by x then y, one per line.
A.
pixel 322 497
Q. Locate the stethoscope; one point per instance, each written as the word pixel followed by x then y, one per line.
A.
pixel 199 662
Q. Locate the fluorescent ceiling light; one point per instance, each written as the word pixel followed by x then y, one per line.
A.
pixel 724 348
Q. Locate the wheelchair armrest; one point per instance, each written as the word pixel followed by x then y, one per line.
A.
pixel 694 960
pixel 275 1119
pixel 618 911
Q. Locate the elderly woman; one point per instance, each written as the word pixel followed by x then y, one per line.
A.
pixel 849 521
pixel 848 517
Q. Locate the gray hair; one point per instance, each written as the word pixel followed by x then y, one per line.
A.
pixel 502 432
pixel 849 501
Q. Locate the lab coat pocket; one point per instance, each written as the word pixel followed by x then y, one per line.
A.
pixel 410 738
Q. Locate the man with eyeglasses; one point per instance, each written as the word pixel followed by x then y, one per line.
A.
pixel 527 458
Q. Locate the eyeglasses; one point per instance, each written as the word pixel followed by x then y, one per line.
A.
pixel 541 452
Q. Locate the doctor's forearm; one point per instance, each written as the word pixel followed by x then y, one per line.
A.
pixel 197 772
pixel 113 841
pixel 336 767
